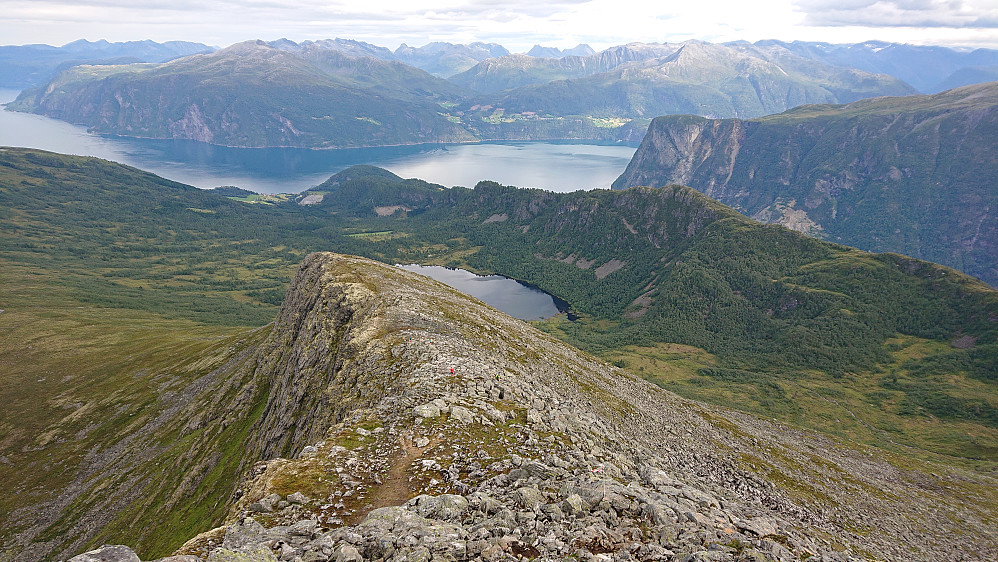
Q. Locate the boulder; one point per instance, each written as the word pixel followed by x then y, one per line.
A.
pixel 108 553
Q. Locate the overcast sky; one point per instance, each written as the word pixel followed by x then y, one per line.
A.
pixel 516 24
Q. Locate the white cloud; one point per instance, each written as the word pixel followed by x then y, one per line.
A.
pixel 900 13
pixel 517 24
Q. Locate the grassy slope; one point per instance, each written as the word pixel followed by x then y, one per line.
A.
pixel 112 274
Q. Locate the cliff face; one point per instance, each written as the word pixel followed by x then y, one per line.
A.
pixel 420 422
pixel 909 175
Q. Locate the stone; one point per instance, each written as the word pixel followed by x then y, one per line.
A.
pixel 492 553
pixel 572 505
pixel 528 497
pixel 244 533
pixel 534 417
pixel 304 528
pixel 108 553
pixel 298 498
pixel 462 414
pixel 250 554
pixel 427 411
pixel 347 553
pixel 760 526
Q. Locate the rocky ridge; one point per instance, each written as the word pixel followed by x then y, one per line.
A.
pixel 416 423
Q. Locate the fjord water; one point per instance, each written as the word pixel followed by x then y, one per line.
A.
pixel 502 293
pixel 546 165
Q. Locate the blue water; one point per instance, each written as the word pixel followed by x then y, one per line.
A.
pixel 502 293
pixel 546 165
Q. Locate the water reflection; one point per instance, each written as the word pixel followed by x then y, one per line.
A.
pixel 505 294
pixel 547 165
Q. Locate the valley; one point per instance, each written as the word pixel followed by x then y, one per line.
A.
pixel 775 339
pixel 886 354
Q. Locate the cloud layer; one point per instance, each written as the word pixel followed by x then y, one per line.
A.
pixel 517 24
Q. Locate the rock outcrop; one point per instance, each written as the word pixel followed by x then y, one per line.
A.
pixel 416 423
pixel 911 175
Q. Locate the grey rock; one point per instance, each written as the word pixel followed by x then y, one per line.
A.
pixel 572 505
pixel 462 414
pixel 248 554
pixel 428 411
pixel 304 528
pixel 107 553
pixel 244 533
pixel 760 526
pixel 528 497
pixel 298 498
pixel 347 553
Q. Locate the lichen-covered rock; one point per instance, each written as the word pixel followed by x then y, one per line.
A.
pixel 107 553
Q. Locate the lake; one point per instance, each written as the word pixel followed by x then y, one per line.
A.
pixel 502 293
pixel 554 166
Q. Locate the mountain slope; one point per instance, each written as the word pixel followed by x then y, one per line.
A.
pixel 925 67
pixel 28 66
pixel 514 71
pixel 126 298
pixel 444 428
pixel 701 79
pixel 447 59
pixel 912 175
pixel 252 94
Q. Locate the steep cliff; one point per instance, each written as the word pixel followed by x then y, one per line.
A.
pixel 912 175
pixel 440 427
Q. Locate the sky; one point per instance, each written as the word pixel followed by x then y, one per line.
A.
pixel 516 24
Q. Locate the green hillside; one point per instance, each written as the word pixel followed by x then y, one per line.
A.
pixel 139 288
pixel 253 95
pixel 913 175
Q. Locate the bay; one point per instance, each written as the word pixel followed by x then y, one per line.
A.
pixel 502 293
pixel 553 166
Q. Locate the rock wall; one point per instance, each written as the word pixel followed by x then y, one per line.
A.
pixel 908 175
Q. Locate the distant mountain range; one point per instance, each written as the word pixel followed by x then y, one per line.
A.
pixel 252 94
pixel 914 175
pixel 695 78
pixel 342 93
pixel 580 50
pixel 33 65
pixel 929 69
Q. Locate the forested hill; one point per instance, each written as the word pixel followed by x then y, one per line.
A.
pixel 764 318
pixel 913 175
pixel 670 264
pixel 140 290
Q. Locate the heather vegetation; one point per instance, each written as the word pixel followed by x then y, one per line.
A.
pixel 642 267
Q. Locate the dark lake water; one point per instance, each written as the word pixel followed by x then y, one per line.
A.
pixel 546 165
pixel 502 293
